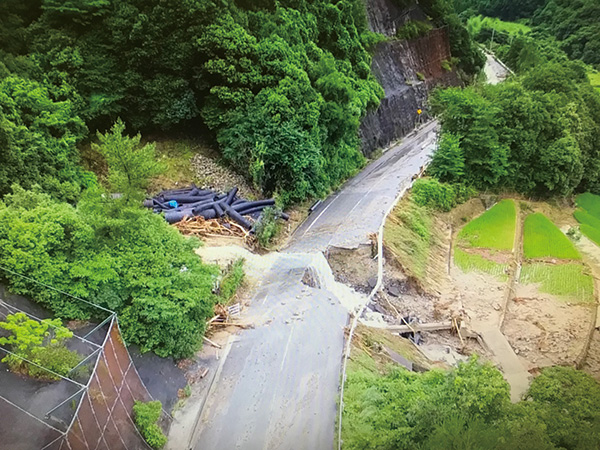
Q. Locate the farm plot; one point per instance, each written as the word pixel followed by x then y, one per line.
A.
pixel 588 215
pixel 469 262
pixel 566 281
pixel 485 243
pixel 494 229
pixel 543 239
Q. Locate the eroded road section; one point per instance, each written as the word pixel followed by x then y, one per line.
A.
pixel 278 386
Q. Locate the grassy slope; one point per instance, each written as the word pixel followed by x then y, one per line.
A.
pixel 408 235
pixel 494 229
pixel 541 238
pixel 564 280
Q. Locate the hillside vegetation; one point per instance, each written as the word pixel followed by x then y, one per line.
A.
pixel 279 86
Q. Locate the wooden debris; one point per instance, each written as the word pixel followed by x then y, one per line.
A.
pixel 415 327
pixel 201 227
pixel 214 344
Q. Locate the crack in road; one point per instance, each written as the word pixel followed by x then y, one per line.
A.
pixel 279 385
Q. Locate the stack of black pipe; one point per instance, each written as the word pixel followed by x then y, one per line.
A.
pixel 180 203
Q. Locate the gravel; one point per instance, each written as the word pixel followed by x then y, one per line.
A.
pixel 213 176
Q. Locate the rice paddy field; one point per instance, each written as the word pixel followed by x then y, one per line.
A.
pixel 468 262
pixel 567 281
pixel 588 215
pixel 476 23
pixel 494 229
pixel 594 77
pixel 543 239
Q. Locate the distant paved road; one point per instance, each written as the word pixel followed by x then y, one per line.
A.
pixel 279 384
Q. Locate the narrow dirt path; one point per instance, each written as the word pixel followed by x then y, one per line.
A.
pixel 490 330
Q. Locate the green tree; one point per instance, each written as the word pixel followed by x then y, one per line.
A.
pixel 130 165
pixel 41 342
pixel 119 257
pixel 448 162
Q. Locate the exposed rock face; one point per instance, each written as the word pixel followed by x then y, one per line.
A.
pixel 399 65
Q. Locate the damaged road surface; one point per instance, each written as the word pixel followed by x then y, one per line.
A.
pixel 278 385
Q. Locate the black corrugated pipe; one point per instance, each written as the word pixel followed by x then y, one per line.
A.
pixel 177 216
pixel 243 206
pixel 237 217
pixel 230 196
pixel 219 210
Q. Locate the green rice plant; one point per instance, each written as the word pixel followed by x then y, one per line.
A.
pixel 493 229
pixel 594 77
pixel 543 239
pixel 468 262
pixel 592 233
pixel 569 281
pixel 584 217
pixel 589 202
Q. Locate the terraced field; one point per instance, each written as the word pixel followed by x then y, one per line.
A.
pixel 485 243
pixel 494 229
pixel 559 272
pixel 588 215
pixel 543 239
pixel 567 281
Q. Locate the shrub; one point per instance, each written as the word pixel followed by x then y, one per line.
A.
pixel 266 228
pixel 42 342
pixel 232 280
pixel 122 258
pixel 420 76
pixel 413 29
pixel 431 193
pixel 146 415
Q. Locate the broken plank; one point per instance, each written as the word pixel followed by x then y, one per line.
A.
pixel 414 327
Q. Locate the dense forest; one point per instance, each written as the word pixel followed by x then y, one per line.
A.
pixel 573 23
pixel 278 87
pixel 537 133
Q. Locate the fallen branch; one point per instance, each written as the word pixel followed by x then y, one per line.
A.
pixel 214 344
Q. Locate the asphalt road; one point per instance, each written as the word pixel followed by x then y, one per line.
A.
pixel 347 217
pixel 279 383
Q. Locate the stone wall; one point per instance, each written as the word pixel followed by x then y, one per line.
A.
pixel 398 65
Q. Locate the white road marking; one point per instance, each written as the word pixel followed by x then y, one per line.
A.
pixel 319 216
pixel 287 346
pixel 265 300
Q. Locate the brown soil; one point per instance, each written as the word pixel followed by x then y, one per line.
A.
pixel 591 364
pixel 544 330
pixel 460 215
pixel 354 267
pixel 541 329
pixel 500 257
pixel 476 296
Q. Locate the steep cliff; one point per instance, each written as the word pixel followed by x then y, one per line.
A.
pixel 407 71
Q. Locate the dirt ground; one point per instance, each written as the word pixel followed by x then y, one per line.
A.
pixel 354 267
pixel 544 330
